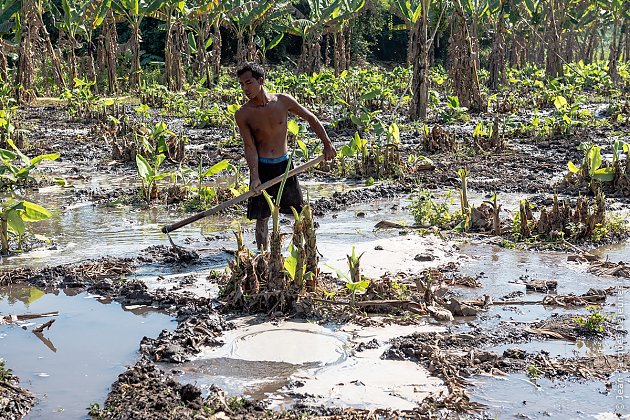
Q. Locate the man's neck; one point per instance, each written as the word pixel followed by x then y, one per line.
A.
pixel 261 99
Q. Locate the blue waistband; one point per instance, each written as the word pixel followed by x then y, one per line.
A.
pixel 270 161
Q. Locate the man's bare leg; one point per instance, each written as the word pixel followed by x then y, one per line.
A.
pixel 262 233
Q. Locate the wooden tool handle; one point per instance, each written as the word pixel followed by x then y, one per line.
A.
pixel 244 196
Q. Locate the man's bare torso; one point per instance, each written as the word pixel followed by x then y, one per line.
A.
pixel 268 125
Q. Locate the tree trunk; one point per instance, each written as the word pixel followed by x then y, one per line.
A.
pixel 252 50
pixel 340 52
pixel 420 78
pixel 136 69
pixel 72 59
pixel 626 54
pixel 613 57
pixel 4 66
pixel 201 65
pixel 110 50
pixel 26 69
pixel 240 50
pixel 348 41
pixel 463 70
pixel 91 69
pixel 553 66
pixel 310 56
pixel 168 50
pixel 216 50
pixel 177 60
pixel 497 56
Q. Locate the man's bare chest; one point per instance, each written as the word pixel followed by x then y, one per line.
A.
pixel 268 119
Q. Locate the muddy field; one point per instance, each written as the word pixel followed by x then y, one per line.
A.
pixel 452 324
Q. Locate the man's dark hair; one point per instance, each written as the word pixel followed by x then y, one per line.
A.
pixel 258 72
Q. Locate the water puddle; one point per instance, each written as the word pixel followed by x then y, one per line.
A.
pixel 72 364
pixel 283 362
pixel 516 397
pixel 502 269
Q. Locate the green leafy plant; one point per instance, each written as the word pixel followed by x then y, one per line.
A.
pixel 150 174
pixel 591 167
pixel 595 321
pixel 354 281
pixel 533 372
pixel 80 100
pixel 13 216
pixel 453 112
pixel 428 212
pixel 5 372
pixel 16 168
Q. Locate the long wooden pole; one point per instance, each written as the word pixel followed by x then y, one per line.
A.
pixel 244 196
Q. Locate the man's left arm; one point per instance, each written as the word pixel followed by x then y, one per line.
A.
pixel 294 107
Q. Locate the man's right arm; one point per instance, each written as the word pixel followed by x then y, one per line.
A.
pixel 251 153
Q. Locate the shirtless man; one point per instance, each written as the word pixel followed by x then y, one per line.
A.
pixel 262 122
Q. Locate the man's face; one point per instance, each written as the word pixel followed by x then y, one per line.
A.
pixel 250 85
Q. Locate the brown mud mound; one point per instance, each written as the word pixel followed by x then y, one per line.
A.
pixel 187 339
pixel 146 392
pixel 15 402
pixel 340 200
pixel 167 255
pixel 453 357
pixel 69 275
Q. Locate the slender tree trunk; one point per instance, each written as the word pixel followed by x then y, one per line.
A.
pixel 626 54
pixel 240 50
pixel 497 56
pixel 72 58
pixel 420 78
pixel 54 59
pixel 348 49
pixel 26 69
pixel 216 50
pixel 136 69
pixel 168 50
pixel 613 56
pixel 110 50
pixel 90 67
pixel 252 50
pixel 310 56
pixel 4 66
pixel 327 50
pixel 412 44
pixel 463 70
pixel 553 66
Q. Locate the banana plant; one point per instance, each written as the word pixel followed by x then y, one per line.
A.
pixel 16 167
pixel 13 216
pixel 243 17
pixel 93 16
pixel 150 174
pixel 134 11
pixel 591 167
pixel 354 281
pixel 311 28
pixel 71 22
pixel 202 17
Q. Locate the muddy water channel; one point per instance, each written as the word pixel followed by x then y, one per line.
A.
pixel 72 364
pixel 281 362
